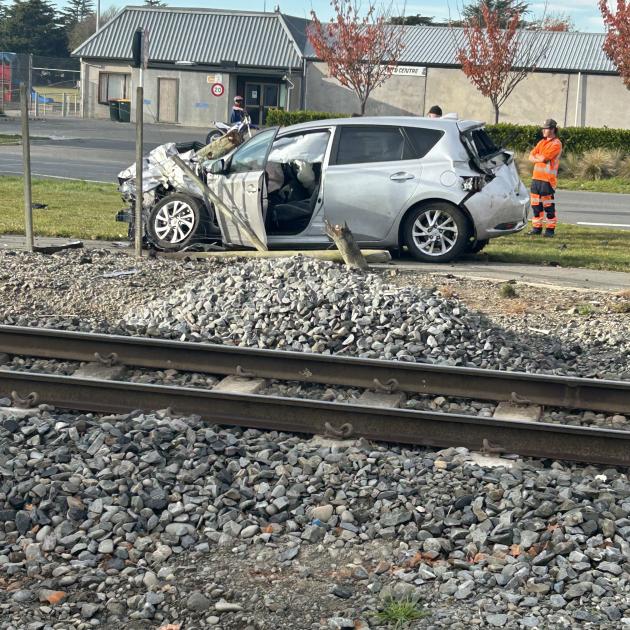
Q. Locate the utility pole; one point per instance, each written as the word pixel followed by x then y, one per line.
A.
pixel 140 51
pixel 26 157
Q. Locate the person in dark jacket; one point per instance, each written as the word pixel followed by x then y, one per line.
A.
pixel 238 111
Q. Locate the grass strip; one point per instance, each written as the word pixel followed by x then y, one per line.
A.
pixel 573 246
pixel 610 185
pixel 75 209
pixel 6 139
pixel 86 210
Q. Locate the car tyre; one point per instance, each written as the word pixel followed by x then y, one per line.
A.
pixel 474 247
pixel 174 221
pixel 436 232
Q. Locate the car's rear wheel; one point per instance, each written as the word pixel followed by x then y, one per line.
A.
pixel 174 220
pixel 436 232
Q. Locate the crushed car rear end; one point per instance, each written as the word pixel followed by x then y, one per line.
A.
pixel 497 199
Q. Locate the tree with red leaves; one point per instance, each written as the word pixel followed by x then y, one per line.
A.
pixel 496 56
pixel 360 51
pixel 617 44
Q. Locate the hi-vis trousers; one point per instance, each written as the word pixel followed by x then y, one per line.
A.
pixel 542 200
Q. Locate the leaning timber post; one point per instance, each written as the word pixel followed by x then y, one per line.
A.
pixel 139 195
pixel 26 157
pixel 347 246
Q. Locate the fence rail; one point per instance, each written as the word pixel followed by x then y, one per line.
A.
pixel 53 84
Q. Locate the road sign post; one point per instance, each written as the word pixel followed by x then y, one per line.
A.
pixel 26 156
pixel 140 52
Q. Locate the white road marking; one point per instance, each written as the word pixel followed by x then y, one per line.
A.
pixel 73 179
pixel 605 224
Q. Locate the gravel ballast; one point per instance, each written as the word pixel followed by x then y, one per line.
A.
pixel 145 520
pixel 142 520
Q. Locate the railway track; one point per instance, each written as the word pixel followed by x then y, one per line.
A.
pixel 537 439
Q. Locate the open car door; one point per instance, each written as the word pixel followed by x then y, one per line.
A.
pixel 241 189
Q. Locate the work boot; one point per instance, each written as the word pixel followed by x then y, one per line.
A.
pixel 549 234
pixel 535 231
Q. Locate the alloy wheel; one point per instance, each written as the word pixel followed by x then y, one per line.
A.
pixel 435 232
pixel 174 221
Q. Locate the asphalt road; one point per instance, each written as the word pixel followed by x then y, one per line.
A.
pixel 97 150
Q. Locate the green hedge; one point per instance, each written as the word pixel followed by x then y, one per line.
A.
pixel 574 139
pixel 284 119
pixel 515 137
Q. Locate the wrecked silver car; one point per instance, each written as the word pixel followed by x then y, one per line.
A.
pixel 439 187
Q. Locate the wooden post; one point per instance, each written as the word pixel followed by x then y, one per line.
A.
pixel 26 157
pixel 347 246
pixel 138 217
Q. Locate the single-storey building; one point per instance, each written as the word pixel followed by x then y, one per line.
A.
pixel 199 59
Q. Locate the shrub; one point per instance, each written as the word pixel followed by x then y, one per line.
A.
pixel 570 166
pixel 574 139
pixel 507 290
pixel 599 163
pixel 284 119
pixel 624 168
pixel 515 137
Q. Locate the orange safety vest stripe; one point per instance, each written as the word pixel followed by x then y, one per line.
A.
pixel 547 171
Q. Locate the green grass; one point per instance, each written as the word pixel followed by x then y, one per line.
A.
pixel 86 210
pixel 398 613
pixel 10 139
pixel 611 185
pixel 75 209
pixel 573 246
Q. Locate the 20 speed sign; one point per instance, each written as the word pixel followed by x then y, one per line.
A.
pixel 217 89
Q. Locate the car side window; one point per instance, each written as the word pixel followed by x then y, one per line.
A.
pixel 422 140
pixel 362 144
pixel 251 156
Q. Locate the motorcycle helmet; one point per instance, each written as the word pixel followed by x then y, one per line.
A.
pixel 238 99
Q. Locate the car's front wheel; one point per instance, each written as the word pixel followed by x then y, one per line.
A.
pixel 436 232
pixel 174 220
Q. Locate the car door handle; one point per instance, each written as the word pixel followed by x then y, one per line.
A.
pixel 252 189
pixel 401 176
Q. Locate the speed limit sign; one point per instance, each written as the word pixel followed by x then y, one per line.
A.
pixel 217 89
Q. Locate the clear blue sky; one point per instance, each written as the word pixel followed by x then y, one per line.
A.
pixel 584 13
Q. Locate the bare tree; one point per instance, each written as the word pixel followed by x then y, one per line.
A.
pixel 496 56
pixel 617 44
pixel 360 51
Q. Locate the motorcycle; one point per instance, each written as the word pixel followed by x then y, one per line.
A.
pixel 244 129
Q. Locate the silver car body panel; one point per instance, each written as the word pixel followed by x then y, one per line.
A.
pixel 372 197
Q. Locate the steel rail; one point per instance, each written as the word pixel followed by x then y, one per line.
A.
pixel 554 441
pixel 419 378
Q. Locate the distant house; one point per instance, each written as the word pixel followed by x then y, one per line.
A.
pixel 201 58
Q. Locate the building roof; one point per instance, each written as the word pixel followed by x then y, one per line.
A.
pixel 275 40
pixel 206 37
pixel 567 51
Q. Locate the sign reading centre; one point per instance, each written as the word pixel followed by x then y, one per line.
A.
pixel 409 71
pixel 217 89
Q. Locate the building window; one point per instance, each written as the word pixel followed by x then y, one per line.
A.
pixel 113 85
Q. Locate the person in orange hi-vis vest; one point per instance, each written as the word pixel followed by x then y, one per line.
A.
pixel 546 158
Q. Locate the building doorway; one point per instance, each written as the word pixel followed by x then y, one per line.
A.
pixel 259 97
pixel 167 100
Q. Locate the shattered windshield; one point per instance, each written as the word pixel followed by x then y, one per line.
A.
pixel 310 147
